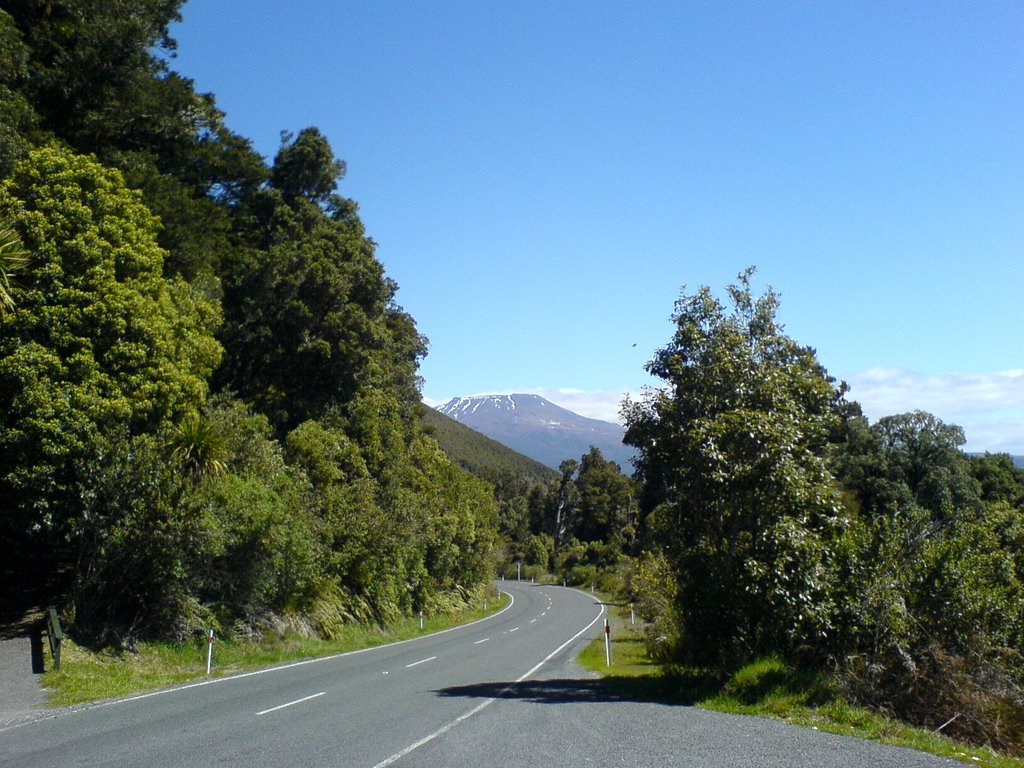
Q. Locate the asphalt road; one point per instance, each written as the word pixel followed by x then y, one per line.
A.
pixel 502 692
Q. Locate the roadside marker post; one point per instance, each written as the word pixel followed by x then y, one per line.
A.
pixel 421 619
pixel 209 651
pixel 607 643
pixel 632 614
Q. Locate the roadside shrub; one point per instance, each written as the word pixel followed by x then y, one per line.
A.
pixel 977 698
pixel 538 550
pixel 581 576
pixel 537 572
pixel 611 582
pixel 655 593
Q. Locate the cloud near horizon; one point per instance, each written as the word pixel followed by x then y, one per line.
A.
pixel 989 406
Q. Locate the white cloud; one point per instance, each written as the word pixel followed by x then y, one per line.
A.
pixel 989 406
pixel 596 404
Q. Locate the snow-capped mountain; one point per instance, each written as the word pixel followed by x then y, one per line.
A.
pixel 538 428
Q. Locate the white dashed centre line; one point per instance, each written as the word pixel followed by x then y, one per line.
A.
pixel 421 661
pixel 481 641
pixel 513 630
pixel 291 703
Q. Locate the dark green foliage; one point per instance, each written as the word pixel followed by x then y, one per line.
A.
pixel 578 526
pixel 605 510
pixel 88 61
pixel 304 493
pixel 999 478
pixel 312 319
pixel 100 342
pixel 738 492
pixel 783 522
pixel 305 167
pixel 932 594
pixel 17 119
pixel 136 543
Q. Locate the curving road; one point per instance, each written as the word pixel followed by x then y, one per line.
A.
pixel 502 692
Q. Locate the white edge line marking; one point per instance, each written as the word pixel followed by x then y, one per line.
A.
pixel 487 702
pixel 264 671
pixel 421 661
pixel 481 641
pixel 292 703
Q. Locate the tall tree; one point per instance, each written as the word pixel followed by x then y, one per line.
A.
pixel 739 494
pixel 311 318
pixel 605 498
pixel 306 167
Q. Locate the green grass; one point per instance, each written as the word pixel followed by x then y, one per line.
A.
pixel 89 676
pixel 766 688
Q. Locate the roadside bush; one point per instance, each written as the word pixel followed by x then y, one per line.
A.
pixel 537 572
pixel 977 698
pixel 538 550
pixel 655 593
pixel 581 576
pixel 610 582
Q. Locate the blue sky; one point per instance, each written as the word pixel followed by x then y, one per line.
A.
pixel 542 178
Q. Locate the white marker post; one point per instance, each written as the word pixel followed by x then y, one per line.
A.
pixel 209 651
pixel 421 619
pixel 519 571
pixel 607 643
pixel 632 615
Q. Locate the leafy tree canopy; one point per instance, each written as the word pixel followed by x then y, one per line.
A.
pixel 740 495
pixel 99 340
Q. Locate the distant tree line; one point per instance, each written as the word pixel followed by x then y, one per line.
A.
pixel 581 525
pixel 209 395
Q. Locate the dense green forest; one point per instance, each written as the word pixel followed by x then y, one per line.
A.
pixel 209 393
pixel 211 417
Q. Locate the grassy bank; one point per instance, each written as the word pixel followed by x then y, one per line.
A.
pixel 766 688
pixel 88 676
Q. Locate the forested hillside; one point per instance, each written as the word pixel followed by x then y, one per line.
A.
pixel 479 454
pixel 209 393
